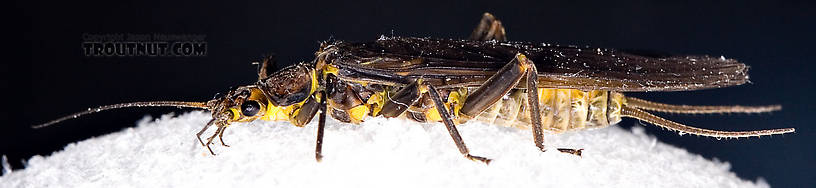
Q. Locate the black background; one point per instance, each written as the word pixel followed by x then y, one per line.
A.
pixel 49 76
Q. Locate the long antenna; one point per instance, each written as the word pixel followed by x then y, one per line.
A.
pixel 632 112
pixel 126 105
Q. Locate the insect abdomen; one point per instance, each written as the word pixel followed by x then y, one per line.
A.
pixel 562 110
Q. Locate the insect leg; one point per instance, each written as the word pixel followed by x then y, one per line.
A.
pixel 535 110
pixel 446 118
pixel 401 101
pixel 321 124
pixel 407 96
pixel 306 112
pixel 221 137
pixel 532 103
pixel 209 140
pixel 489 28
pixel 264 67
pixel 496 87
pixel 198 135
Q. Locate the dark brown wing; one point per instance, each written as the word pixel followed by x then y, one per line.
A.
pixel 456 63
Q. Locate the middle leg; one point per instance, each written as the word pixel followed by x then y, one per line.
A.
pixel 448 120
pixel 397 104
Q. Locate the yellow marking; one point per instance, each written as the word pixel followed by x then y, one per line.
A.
pixel 545 95
pixel 378 100
pixel 314 84
pixel 456 99
pixel 330 69
pixel 358 113
pixel 278 113
pixel 235 114
pixel 318 96
pixel 453 105
pixel 256 95
pixel 422 88
pixel 275 113
pixel 272 112
pixel 370 62
pixel 432 115
pixel 289 110
pixel 522 59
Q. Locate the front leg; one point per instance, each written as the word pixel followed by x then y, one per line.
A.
pixel 321 125
pixel 322 106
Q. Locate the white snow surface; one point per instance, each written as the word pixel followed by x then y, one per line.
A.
pixel 380 152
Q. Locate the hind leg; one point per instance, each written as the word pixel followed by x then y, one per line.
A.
pixel 489 28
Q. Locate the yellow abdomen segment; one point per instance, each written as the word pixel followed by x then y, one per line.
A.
pixel 561 110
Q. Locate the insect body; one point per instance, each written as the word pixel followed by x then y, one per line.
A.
pixel 537 87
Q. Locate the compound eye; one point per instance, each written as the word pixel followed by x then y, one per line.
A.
pixel 250 108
